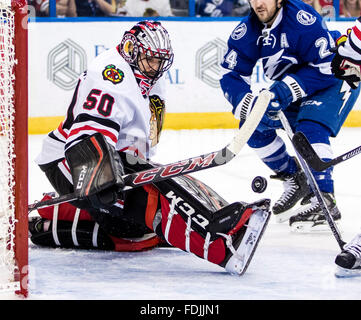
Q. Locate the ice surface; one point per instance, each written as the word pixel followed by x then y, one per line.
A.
pixel 285 266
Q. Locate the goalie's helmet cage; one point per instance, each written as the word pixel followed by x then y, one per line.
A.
pixel 151 39
pixel 13 147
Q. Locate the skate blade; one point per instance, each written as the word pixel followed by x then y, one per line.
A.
pixel 239 262
pixel 310 227
pixel 286 215
pixel 347 273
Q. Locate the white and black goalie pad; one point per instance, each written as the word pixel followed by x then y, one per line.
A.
pixel 95 166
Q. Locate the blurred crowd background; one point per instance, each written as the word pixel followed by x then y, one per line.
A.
pixel 168 8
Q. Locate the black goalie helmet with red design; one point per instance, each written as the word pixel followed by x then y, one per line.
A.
pixel 147 47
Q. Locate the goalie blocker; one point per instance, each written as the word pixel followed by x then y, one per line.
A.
pixel 182 212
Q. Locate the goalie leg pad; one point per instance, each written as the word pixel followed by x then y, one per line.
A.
pixel 86 235
pixel 178 233
pixel 113 222
pixel 66 212
pixel 230 238
pixel 69 227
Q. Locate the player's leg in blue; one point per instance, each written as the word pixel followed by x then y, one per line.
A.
pixel 271 149
pixel 310 216
pixel 321 117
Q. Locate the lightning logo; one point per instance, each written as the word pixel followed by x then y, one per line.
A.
pixel 272 64
pixel 275 61
pixel 346 90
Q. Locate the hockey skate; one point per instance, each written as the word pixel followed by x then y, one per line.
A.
pixel 348 262
pixel 295 189
pixel 242 244
pixel 310 217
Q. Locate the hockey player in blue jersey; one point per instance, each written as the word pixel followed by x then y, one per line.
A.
pixel 346 65
pixel 294 46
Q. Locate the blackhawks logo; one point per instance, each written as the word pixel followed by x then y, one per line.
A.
pixel 113 74
pixel 157 109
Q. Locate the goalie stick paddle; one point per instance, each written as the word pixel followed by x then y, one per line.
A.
pixel 305 149
pixel 187 166
pixel 313 184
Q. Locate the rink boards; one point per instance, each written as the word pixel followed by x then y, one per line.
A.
pixel 60 51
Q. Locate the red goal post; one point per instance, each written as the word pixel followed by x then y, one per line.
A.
pixel 13 147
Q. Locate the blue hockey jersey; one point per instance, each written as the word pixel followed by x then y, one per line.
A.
pixel 214 8
pixel 295 47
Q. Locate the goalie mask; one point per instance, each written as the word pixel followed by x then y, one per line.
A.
pixel 147 47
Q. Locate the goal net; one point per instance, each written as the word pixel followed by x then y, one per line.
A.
pixel 13 147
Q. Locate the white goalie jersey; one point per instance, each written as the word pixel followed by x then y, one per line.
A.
pixel 113 100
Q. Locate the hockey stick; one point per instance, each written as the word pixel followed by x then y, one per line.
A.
pixel 186 166
pixel 313 183
pixel 305 149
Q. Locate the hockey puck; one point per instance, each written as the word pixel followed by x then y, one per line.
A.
pixel 259 184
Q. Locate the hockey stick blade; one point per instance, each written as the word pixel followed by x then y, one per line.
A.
pixel 305 149
pixel 51 202
pixel 187 166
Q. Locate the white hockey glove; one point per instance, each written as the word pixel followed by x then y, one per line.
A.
pixel 342 66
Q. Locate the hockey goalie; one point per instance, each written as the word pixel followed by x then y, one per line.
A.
pixel 112 126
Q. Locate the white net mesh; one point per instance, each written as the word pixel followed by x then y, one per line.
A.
pixel 7 154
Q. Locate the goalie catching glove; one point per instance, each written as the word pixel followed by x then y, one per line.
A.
pixel 97 170
pixel 346 64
